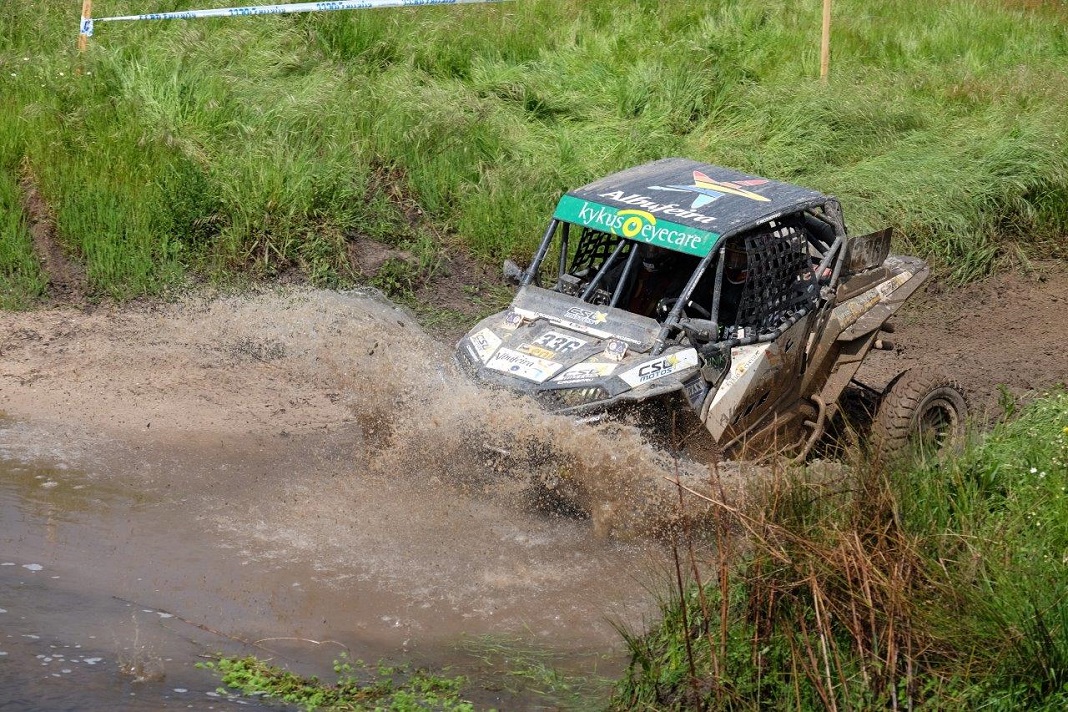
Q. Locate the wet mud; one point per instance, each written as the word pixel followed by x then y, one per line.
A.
pixel 246 551
pixel 296 475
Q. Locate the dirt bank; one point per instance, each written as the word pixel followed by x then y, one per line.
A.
pixel 1007 333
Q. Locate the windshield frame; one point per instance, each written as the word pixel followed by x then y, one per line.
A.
pixel 561 230
pixel 830 258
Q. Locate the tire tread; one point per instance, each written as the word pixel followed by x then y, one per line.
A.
pixel 895 417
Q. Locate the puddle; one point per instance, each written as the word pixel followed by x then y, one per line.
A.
pixel 301 474
pixel 293 555
pixel 62 647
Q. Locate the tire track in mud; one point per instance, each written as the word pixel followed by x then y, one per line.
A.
pixel 66 278
pixel 1005 334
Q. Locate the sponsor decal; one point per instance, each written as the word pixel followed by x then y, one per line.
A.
pixel 615 349
pixel 523 365
pixel 709 189
pixel 536 351
pixel 634 221
pixel 513 320
pixel 485 342
pixel 559 343
pixel 557 320
pixel 660 367
pixel 742 359
pixel 585 372
pixel 848 313
pixel 586 316
pixel 643 224
pixel 696 390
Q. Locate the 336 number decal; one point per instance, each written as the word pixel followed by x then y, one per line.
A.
pixel 559 343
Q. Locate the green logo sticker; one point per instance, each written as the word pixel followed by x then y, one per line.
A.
pixel 638 225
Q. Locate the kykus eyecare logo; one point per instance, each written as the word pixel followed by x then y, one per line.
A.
pixel 635 224
pixel 634 221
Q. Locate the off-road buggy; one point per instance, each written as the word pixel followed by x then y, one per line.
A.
pixel 742 298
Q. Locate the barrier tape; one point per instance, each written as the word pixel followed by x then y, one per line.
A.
pixel 287 9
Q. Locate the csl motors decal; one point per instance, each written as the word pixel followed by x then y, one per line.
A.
pixel 660 367
pixel 586 316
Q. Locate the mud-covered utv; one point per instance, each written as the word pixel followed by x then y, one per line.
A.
pixel 742 297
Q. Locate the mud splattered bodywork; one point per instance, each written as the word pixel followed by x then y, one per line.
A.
pixel 575 359
pixel 744 295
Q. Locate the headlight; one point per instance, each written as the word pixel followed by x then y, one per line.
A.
pixel 466 356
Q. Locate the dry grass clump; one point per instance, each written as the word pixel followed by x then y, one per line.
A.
pixel 939 584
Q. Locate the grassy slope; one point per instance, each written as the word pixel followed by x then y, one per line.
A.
pixel 940 586
pixel 20 275
pixel 263 142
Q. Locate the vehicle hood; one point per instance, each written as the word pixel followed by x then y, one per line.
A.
pixel 548 343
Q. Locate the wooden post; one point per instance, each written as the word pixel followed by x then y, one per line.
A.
pixel 825 42
pixel 87 12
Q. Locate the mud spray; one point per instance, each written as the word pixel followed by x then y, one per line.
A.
pixel 423 422
pixel 473 479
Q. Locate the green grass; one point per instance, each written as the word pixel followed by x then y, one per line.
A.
pixel 941 585
pixel 386 688
pixel 533 672
pixel 263 144
pixel 21 280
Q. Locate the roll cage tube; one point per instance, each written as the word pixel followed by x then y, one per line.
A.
pixel 717 288
pixel 565 233
pixel 671 322
pixel 624 278
pixel 532 271
pixel 592 287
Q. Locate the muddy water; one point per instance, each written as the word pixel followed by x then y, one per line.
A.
pixel 295 476
pixel 114 581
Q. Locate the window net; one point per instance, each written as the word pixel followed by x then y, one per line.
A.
pixel 779 285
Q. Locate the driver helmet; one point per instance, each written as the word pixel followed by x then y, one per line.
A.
pixel 736 264
pixel 656 258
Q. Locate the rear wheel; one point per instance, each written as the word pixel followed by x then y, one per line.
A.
pixel 923 411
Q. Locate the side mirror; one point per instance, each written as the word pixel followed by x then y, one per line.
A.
pixel 513 273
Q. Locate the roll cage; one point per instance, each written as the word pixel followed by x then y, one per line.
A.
pixel 792 261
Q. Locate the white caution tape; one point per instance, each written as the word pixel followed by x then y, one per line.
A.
pixel 87 22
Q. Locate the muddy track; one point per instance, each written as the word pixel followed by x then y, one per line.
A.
pixel 312 437
pixel 317 432
pixel 115 366
pixel 66 277
pixel 264 367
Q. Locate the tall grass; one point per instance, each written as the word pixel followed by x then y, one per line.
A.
pixel 942 585
pixel 21 280
pixel 260 143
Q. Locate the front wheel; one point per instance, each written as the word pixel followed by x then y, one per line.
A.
pixel 922 410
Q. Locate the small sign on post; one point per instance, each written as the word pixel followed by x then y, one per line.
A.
pixel 87 14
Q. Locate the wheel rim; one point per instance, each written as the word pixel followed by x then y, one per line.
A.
pixel 936 423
